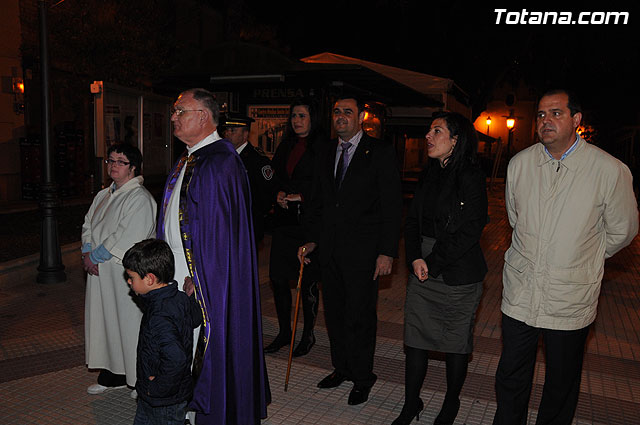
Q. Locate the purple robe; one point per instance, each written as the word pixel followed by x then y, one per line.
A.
pixel 232 387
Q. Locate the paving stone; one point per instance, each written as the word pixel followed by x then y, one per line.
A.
pixel 43 378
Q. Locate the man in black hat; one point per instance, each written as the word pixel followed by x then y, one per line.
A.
pixel 236 128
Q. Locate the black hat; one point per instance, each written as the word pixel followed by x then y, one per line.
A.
pixel 234 120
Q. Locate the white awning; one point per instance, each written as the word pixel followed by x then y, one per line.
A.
pixel 422 83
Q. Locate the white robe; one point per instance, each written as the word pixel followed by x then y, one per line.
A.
pixel 112 320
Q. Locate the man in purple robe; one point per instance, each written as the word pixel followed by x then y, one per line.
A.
pixel 206 219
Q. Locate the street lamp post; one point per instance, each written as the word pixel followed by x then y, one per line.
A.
pixel 511 122
pixel 50 269
pixel 488 128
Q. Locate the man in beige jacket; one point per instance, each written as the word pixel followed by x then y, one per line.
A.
pixel 571 206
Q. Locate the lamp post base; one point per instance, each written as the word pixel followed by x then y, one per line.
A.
pixel 50 269
pixel 51 276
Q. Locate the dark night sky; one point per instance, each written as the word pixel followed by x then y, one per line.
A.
pixel 455 40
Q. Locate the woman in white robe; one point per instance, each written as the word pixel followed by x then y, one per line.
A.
pixel 121 215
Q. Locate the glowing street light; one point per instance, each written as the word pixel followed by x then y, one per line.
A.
pixel 511 122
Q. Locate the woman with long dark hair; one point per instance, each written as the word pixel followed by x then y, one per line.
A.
pixel 293 165
pixel 442 238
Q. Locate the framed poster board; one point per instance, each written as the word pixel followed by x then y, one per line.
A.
pixel 268 128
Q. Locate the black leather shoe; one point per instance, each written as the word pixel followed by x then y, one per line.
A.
pixel 304 346
pixel 332 380
pixel 359 395
pixel 277 344
pixel 407 414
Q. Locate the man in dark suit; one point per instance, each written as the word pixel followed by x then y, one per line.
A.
pixel 355 219
pixel 236 128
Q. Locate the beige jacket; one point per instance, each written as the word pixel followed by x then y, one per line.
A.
pixel 567 217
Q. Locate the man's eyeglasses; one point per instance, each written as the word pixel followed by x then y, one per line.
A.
pixel 180 111
pixel 116 161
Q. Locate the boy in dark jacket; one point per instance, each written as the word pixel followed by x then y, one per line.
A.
pixel 165 343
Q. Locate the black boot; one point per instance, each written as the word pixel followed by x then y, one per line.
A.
pixel 309 298
pixel 408 413
pixel 448 412
pixel 279 342
pixel 415 369
pixel 457 365
pixel 304 346
pixel 282 300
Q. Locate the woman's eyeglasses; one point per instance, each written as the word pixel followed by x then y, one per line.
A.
pixel 120 163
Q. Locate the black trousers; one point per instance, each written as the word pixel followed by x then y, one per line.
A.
pixel 109 379
pixel 564 352
pixel 350 298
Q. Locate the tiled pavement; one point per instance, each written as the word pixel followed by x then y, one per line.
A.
pixel 43 378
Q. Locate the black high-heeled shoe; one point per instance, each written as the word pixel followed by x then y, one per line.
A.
pixel 305 344
pixel 448 412
pixel 407 415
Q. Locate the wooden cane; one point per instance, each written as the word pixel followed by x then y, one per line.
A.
pixel 295 323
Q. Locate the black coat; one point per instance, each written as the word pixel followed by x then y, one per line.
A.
pixel 362 217
pixel 261 180
pixel 301 180
pixel 458 204
pixel 165 346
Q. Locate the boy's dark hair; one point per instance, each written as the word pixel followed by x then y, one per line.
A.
pixel 151 256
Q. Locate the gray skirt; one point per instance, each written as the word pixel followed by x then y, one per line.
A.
pixel 437 316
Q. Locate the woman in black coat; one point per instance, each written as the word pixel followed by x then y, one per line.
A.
pixel 293 165
pixel 442 238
